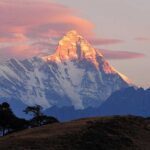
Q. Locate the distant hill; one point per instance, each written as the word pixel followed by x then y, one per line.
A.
pixel 135 101
pixel 101 133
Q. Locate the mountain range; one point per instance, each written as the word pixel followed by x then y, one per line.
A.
pixel 76 81
pixel 75 75
pixel 128 101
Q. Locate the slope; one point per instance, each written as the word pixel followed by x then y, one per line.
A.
pixel 105 133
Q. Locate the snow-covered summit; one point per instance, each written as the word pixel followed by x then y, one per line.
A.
pixel 73 46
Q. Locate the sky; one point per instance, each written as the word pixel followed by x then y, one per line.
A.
pixel 120 29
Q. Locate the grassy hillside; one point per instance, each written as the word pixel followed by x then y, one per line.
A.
pixel 101 133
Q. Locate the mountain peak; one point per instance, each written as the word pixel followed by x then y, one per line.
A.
pixel 73 32
pixel 71 38
pixel 73 35
pixel 73 46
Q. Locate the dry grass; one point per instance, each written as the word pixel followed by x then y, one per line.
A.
pixel 100 133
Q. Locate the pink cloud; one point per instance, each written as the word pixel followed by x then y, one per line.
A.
pixel 16 37
pixel 39 17
pixel 19 51
pixel 109 54
pixel 43 48
pixel 33 20
pixel 28 26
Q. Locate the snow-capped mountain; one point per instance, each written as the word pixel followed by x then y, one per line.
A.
pixel 75 75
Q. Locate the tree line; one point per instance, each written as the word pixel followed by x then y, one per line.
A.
pixel 9 122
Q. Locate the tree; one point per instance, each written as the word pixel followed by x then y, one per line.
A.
pixel 36 111
pixel 39 118
pixel 6 116
pixel 8 121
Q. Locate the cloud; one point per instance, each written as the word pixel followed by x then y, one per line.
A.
pixel 104 41
pixel 19 51
pixel 43 48
pixel 142 39
pixel 28 28
pixel 39 17
pixel 11 38
pixel 23 21
pixel 109 54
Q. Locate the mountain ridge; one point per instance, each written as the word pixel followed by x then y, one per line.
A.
pixel 127 101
